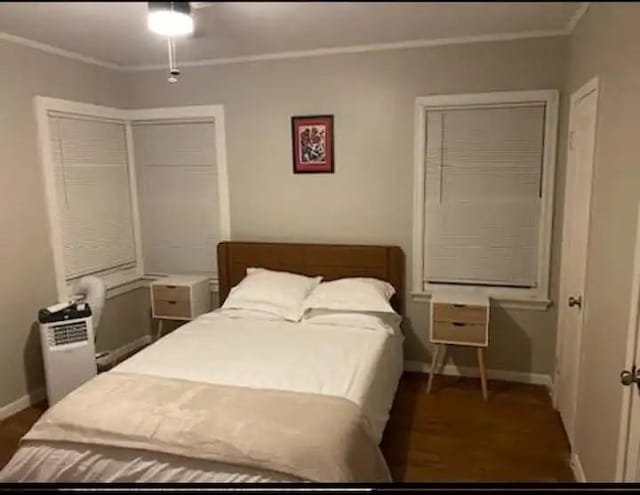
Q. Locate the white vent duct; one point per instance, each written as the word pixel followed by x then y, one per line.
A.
pixel 92 290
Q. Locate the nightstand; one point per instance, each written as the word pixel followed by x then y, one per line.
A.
pixel 179 297
pixel 459 320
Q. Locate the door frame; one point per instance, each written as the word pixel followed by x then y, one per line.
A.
pixel 589 87
pixel 629 437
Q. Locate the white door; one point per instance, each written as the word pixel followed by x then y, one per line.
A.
pixel 632 463
pixel 629 447
pixel 582 128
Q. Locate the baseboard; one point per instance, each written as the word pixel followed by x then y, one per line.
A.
pixel 117 354
pixel 506 375
pixel 576 466
pixel 23 402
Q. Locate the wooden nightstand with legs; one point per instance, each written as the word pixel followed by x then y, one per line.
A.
pixel 179 297
pixel 459 320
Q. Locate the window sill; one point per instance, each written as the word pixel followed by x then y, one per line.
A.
pixel 116 283
pixel 132 285
pixel 145 281
pixel 504 302
pixel 213 282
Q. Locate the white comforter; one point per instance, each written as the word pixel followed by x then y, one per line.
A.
pixel 362 365
pixel 358 364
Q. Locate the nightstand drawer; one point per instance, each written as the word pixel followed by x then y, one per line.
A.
pixel 170 293
pixel 177 309
pixel 459 312
pixel 464 333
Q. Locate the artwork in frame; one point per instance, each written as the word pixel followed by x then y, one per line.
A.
pixel 312 137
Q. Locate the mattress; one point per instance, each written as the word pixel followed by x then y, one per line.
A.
pixel 361 365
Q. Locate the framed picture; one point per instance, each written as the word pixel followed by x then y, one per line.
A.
pixel 312 137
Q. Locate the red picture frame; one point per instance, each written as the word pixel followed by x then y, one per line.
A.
pixel 312 143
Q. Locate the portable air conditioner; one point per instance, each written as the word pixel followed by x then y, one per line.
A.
pixel 68 341
pixel 68 348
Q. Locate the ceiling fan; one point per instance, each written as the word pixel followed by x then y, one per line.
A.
pixel 172 19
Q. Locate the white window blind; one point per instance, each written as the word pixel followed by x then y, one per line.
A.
pixel 93 193
pixel 178 193
pixel 483 172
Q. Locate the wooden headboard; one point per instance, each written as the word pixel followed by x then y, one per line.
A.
pixel 329 260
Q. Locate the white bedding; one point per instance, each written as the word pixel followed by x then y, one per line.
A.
pixel 362 365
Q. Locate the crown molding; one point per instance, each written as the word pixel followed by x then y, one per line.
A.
pixel 357 49
pixel 573 22
pixel 485 38
pixel 58 51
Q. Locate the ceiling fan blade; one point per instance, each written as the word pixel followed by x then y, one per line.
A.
pixel 200 5
pixel 201 26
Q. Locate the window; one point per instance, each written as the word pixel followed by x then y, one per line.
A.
pixel 484 194
pixel 90 192
pixel 180 231
pixel 101 163
pixel 93 194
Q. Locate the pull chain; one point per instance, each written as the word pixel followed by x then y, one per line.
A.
pixel 174 72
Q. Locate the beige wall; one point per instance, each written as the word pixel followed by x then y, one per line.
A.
pixel 369 198
pixel 125 318
pixel 605 43
pixel 27 280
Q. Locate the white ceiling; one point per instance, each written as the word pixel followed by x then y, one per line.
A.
pixel 116 33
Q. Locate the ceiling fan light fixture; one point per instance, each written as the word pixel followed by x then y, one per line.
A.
pixel 170 18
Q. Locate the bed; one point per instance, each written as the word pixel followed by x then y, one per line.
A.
pixel 237 396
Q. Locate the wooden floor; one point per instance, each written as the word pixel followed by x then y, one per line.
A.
pixel 12 429
pixel 450 435
pixel 453 435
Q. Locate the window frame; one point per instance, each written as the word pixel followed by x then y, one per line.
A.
pixel 522 298
pixel 128 278
pixel 43 105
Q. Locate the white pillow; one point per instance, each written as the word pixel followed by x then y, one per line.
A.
pixel 281 293
pixel 352 294
pixel 388 323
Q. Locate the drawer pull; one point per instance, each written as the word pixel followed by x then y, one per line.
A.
pixel 171 302
pixel 459 305
pixel 459 324
pixel 170 286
